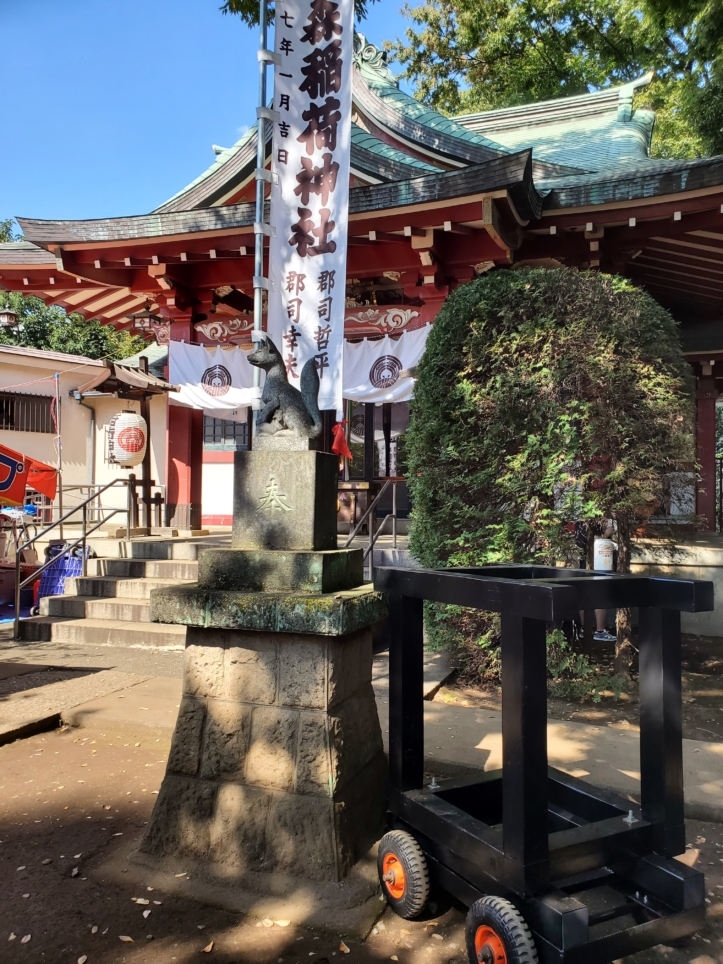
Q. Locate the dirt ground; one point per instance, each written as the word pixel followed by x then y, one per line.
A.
pixel 69 799
pixel 702 695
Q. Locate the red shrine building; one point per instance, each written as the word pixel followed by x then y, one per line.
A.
pixel 434 203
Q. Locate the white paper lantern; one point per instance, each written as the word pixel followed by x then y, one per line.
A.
pixel 127 439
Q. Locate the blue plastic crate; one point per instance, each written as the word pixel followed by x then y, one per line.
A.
pixel 65 565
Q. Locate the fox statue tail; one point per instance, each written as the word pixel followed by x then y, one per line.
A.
pixel 309 388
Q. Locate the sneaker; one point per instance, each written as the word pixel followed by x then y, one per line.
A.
pixel 603 636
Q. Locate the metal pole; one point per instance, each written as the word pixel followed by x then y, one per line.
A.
pixel 16 633
pixel 84 562
pixel 129 507
pixel 59 449
pixel 394 515
pixel 260 283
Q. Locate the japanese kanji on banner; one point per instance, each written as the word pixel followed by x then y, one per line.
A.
pixel 310 202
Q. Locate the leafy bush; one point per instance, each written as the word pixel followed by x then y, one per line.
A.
pixel 544 397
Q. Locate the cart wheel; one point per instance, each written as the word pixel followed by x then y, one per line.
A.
pixel 403 873
pixel 496 933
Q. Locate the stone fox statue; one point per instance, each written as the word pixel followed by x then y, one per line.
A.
pixel 286 411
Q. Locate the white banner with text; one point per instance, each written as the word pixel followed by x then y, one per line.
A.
pixel 310 200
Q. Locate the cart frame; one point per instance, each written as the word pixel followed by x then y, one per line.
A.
pixel 547 841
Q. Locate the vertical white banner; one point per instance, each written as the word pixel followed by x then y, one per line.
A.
pixel 310 202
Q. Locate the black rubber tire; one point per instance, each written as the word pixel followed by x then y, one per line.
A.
pixel 509 925
pixel 410 855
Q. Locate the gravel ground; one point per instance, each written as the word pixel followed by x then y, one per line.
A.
pixel 71 798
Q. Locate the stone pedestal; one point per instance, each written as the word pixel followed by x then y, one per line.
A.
pixel 277 762
pixel 277 776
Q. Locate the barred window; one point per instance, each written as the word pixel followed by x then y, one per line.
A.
pixel 219 434
pixel 26 413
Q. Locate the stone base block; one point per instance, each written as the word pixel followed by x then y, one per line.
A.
pixel 276 764
pixel 267 570
pixel 284 500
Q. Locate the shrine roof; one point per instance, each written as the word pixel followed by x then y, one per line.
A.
pixel 592 131
pixel 648 177
pixel 24 252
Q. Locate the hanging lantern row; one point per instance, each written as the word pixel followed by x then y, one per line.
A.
pixel 127 439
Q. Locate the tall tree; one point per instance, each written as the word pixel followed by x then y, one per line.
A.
pixel 6 231
pixel 52 329
pixel 470 55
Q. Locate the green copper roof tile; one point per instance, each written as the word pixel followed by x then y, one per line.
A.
pixel 368 142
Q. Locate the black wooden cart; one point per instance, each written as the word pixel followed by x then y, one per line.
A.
pixel 549 865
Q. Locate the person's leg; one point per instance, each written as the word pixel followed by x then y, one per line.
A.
pixel 601 633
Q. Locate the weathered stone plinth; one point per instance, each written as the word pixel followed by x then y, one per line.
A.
pixel 277 762
pixel 276 781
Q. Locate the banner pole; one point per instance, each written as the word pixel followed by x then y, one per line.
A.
pixel 59 450
pixel 260 283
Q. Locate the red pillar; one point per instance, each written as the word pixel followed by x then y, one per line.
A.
pixel 706 396
pixel 185 464
pixel 184 441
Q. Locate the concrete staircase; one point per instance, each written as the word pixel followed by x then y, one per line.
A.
pixel 110 606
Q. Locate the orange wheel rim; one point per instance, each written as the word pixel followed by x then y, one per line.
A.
pixel 394 876
pixel 488 946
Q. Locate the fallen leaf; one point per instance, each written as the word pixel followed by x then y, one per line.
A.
pixel 12 937
pixel 405 931
pixel 136 744
pixel 82 959
pixel 394 958
pixel 201 927
pixel 104 932
pixel 344 949
pixel 282 923
pixel 689 858
pixel 75 871
pixel 142 900
pixel 128 940
pixel 184 874
pixel 437 937
pixel 22 868
pixel 94 929
pixel 149 937
pixel 158 902
pixel 47 861
pixel 150 888
pixel 700 840
pixel 146 913
pixel 24 940
pixel 208 948
pixel 267 923
pixel 26 895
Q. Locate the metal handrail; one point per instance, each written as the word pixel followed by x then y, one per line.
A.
pixel 20 548
pixel 373 536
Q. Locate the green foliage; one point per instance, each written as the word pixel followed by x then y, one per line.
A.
pixel 248 10
pixel 544 397
pixel 470 55
pixel 52 329
pixel 6 231
pixel 571 675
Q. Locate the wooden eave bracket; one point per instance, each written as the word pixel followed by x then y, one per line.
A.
pixel 509 239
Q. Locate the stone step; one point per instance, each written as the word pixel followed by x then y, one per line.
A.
pixel 131 610
pixel 109 587
pixel 102 632
pixel 144 568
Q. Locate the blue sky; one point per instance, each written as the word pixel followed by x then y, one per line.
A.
pixel 111 106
